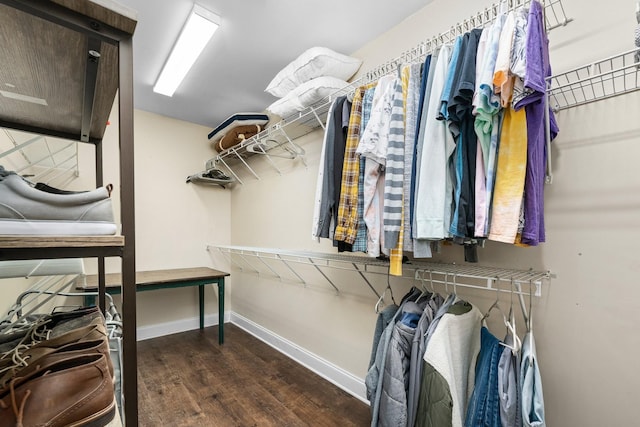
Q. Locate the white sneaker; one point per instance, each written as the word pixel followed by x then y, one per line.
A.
pixel 25 210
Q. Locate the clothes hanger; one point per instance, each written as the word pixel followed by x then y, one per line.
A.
pixel 496 304
pixel 433 291
pixel 455 288
pixel 504 6
pixel 423 290
pixel 511 325
pixel 511 329
pixel 388 288
pixel 530 319
pixel 380 301
pixel 446 283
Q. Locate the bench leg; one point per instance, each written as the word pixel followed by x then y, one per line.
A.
pixel 201 301
pixel 221 311
pixel 89 300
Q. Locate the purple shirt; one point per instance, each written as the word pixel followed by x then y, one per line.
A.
pixel 538 68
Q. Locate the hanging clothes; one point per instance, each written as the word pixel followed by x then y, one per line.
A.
pixel 360 243
pixel 448 372
pixel 321 191
pixel 385 317
pixel 422 247
pixel 418 347
pixel 394 182
pixel 484 407
pixel 460 113
pixel 437 145
pixel 417 147
pixel 531 382
pixel 395 382
pixel 509 385
pixel 503 80
pixel 510 176
pixel 394 169
pixel 373 147
pixel 538 68
pixel 480 191
pixel 347 218
pixel 334 153
pixel 412 121
pixel 488 118
pixel 374 378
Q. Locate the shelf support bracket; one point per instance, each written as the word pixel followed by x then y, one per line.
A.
pixel 250 265
pixel 324 275
pixel 366 280
pixel 90 80
pixel 284 261
pixel 268 266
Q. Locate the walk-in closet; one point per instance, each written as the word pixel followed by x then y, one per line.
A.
pixel 421 213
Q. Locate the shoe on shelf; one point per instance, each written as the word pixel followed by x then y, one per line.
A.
pixel 75 391
pixel 31 352
pixel 41 355
pixel 25 210
pixel 217 174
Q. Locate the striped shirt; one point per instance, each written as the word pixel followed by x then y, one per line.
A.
pixel 394 180
pixel 394 170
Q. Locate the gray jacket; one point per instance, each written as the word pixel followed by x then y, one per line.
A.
pixel 373 380
pixel 395 381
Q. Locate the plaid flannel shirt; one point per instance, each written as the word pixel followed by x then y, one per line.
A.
pixel 347 225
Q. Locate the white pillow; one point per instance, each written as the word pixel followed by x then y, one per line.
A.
pixel 314 62
pixel 305 95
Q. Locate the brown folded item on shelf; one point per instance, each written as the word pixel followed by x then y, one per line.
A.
pixel 236 135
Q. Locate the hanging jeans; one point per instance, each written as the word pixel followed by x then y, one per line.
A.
pixel 484 405
pixel 531 382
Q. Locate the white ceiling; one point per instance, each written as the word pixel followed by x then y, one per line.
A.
pixel 256 39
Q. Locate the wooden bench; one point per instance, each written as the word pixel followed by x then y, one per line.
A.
pixel 166 279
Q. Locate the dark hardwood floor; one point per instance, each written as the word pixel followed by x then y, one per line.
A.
pixel 187 379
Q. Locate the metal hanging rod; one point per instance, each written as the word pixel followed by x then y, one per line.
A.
pixel 467 275
pixel 554 17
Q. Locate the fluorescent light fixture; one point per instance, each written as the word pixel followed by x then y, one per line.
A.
pixel 196 33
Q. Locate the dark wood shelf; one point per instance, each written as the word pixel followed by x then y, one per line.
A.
pixel 23 242
pixel 57 87
pixel 48 247
pixel 63 61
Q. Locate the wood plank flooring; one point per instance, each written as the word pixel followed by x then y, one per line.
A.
pixel 187 379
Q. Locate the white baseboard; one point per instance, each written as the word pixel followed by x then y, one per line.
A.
pixel 327 370
pixel 183 325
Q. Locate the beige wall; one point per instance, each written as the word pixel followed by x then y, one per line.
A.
pixel 585 322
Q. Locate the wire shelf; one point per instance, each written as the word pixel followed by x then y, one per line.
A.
pixel 39 158
pixel 283 133
pixel 613 76
pixel 469 276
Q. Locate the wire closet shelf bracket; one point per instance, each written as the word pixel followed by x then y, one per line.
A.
pixel 609 77
pixel 277 140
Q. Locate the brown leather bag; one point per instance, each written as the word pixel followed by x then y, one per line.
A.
pixel 236 135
